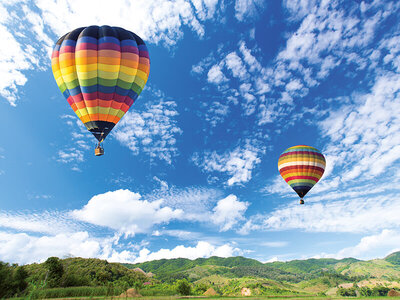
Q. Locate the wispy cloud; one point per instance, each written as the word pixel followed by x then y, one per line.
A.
pixel 355 215
pixel 47 222
pixel 153 131
pixel 238 163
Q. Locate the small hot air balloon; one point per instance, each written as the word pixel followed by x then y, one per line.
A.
pixel 302 167
pixel 100 71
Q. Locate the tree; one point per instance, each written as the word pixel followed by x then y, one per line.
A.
pixel 55 271
pixel 20 276
pixel 183 287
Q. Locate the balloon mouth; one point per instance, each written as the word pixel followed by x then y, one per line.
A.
pixel 100 129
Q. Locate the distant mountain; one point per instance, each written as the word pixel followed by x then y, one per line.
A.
pixel 393 258
pixel 290 271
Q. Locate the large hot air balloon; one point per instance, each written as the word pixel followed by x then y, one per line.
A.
pixel 301 167
pixel 100 71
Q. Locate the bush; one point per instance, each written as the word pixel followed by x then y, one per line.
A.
pixel 183 287
pixel 350 292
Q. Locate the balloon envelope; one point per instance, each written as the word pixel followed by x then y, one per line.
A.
pixel 100 71
pixel 302 167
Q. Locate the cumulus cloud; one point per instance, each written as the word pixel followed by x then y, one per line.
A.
pixel 202 249
pixel 23 248
pixel 123 211
pixel 228 212
pixel 386 241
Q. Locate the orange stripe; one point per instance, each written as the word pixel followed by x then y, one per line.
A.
pixel 94 117
pixel 103 117
pixel 86 53
pixel 109 60
pixel 86 60
pixel 85 118
pixel 105 103
pixel 109 53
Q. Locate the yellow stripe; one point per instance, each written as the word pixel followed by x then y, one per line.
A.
pixel 69 77
pixel 300 158
pixel 125 77
pixel 87 75
pixel 108 75
pixel 301 181
pixel 86 67
pixel 68 70
pixel 128 70
pixel 104 110
pixel 108 68
pixel 142 75
pixel 301 174
pixel 120 114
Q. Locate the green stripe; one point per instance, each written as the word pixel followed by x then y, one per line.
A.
pixel 88 82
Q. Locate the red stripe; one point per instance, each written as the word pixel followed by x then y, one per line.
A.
pixel 302 177
pixel 301 167
pixel 67 49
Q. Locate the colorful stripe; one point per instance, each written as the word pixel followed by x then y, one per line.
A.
pixel 100 71
pixel 301 167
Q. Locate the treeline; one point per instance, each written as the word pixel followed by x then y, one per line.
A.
pixel 13 280
pixel 355 291
pixel 67 277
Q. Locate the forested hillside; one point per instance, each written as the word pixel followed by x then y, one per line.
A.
pixel 225 276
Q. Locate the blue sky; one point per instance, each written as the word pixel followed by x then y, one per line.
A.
pixel 191 170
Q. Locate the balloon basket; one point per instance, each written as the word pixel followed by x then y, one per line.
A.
pixel 99 151
pixel 301 201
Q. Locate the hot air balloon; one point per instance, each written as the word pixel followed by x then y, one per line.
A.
pixel 100 70
pixel 302 167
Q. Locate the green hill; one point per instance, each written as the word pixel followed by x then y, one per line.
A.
pixel 393 258
pixel 227 276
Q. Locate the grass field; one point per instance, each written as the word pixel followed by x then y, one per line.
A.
pixel 224 298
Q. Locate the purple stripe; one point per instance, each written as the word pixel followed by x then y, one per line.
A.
pixel 109 46
pixel 130 49
pixel 86 46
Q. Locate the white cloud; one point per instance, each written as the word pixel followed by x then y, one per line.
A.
pixel 71 155
pixel 215 75
pixel 152 131
pixel 386 241
pixel 363 136
pixel 45 222
pixel 202 249
pixel 355 215
pixel 277 244
pixel 29 29
pixel 238 163
pixel 23 248
pixel 245 9
pixel 123 211
pixel 235 64
pixel 228 212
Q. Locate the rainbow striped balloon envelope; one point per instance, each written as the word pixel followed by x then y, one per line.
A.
pixel 100 71
pixel 301 167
